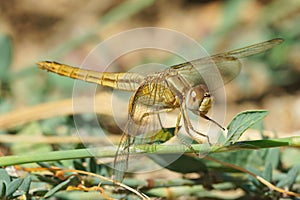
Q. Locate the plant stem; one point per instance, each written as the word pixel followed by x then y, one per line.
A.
pixel 103 152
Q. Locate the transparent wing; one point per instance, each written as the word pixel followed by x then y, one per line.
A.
pixel 124 161
pixel 227 63
pixel 252 49
pixel 142 127
pixel 122 155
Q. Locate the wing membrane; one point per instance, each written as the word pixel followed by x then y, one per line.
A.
pixel 227 63
pixel 141 127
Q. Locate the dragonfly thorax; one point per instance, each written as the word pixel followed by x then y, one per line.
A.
pixel 198 99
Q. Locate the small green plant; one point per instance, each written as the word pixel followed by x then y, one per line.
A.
pixel 226 168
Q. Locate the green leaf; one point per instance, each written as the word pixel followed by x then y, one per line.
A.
pixel 4 176
pixel 63 185
pixel 13 186
pixel 254 180
pixel 2 188
pixel 241 123
pixel 26 185
pixel 164 135
pixel 239 158
pixel 78 165
pixel 256 159
pixel 289 180
pixel 57 188
pixel 5 57
pixel 43 164
pixel 268 173
pixel 183 164
pixel 92 165
pixel 273 157
pixel 47 179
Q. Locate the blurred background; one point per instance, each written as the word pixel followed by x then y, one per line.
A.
pixel 67 30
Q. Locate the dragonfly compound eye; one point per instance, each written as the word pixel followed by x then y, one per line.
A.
pixel 198 99
pixel 194 98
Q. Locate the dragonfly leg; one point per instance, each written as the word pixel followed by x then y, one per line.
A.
pixel 188 126
pixel 213 121
pixel 177 123
pixel 159 120
pixel 157 112
pixel 181 139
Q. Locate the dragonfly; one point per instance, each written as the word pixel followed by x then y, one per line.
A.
pixel 178 87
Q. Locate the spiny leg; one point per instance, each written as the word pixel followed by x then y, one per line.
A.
pixel 181 139
pixel 189 126
pixel 160 123
pixel 156 112
pixel 213 121
pixel 183 109
pixel 177 124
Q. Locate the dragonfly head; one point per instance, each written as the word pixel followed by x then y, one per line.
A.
pixel 198 99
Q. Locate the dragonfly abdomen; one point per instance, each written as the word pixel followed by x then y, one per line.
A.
pixel 120 81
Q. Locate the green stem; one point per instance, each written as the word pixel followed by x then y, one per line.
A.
pixel 150 149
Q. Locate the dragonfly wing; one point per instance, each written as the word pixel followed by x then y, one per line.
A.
pixel 123 160
pixel 134 134
pixel 253 49
pixel 121 157
pixel 227 63
pixel 202 70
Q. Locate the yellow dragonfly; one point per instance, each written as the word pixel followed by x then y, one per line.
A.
pixel 179 87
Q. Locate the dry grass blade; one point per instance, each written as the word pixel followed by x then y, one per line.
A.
pixel 48 110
